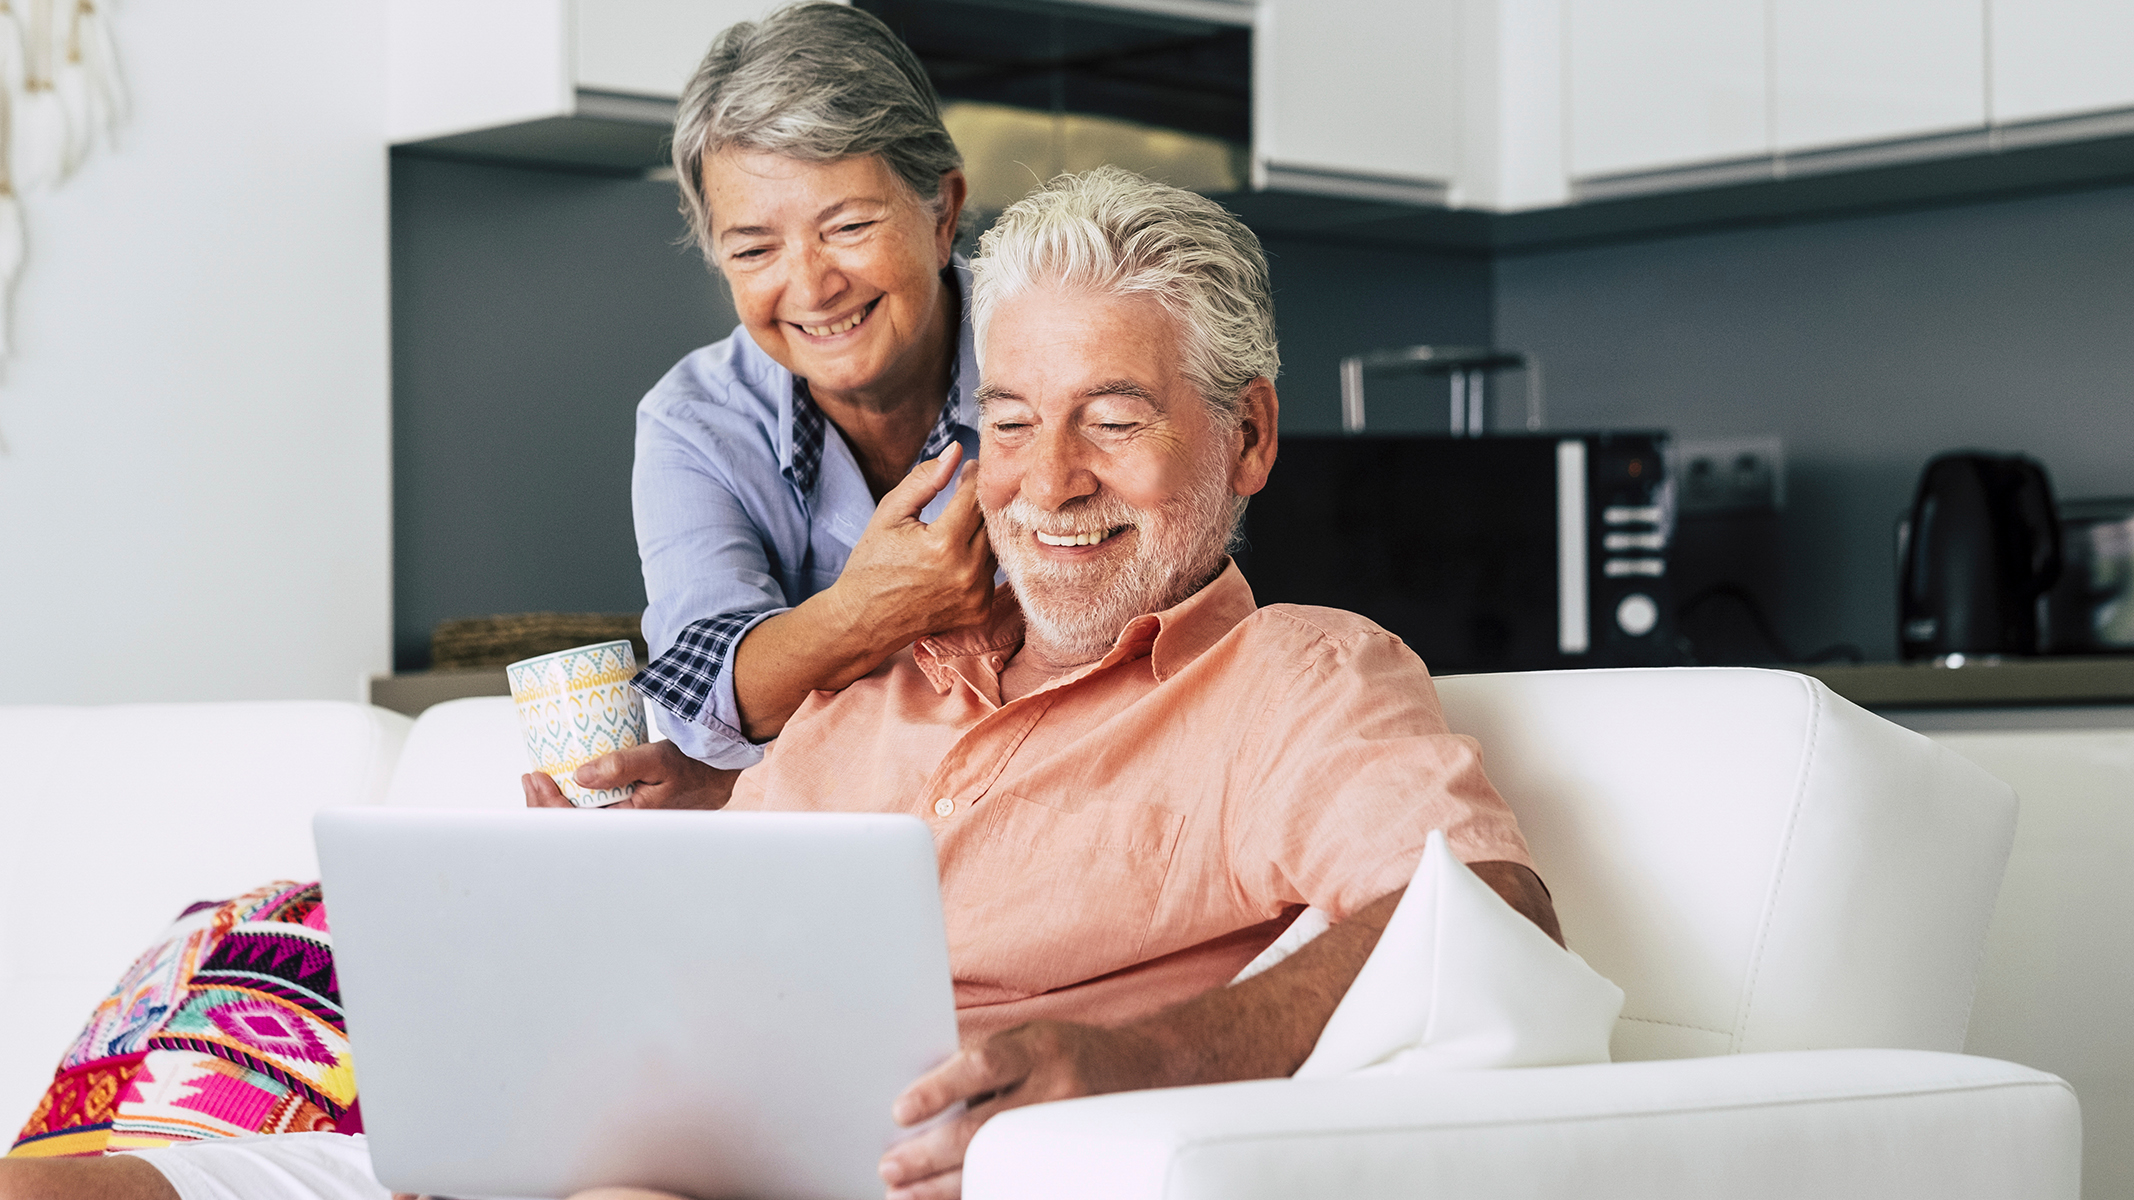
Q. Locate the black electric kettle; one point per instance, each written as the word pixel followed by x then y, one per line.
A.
pixel 1982 544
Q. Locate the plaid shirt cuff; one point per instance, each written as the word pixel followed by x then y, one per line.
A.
pixel 685 679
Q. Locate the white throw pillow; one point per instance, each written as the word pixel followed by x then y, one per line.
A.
pixel 1461 981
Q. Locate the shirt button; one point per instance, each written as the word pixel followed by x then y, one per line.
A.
pixel 944 806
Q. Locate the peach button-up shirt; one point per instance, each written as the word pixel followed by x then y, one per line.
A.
pixel 1135 832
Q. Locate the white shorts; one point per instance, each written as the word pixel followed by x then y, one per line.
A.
pixel 281 1166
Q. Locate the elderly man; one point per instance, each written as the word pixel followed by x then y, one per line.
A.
pixel 1135 777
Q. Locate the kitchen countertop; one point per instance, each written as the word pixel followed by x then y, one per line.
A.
pixel 2014 682
pixel 409 694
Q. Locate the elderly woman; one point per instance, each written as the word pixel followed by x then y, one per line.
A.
pixel 794 509
pixel 798 516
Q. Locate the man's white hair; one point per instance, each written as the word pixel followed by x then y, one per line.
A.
pixel 1112 232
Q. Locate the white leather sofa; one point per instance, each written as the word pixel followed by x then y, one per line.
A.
pixel 114 818
pixel 145 808
pixel 1793 895
pixel 1786 924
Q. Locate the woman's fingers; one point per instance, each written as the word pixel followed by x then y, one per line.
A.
pixel 915 491
pixel 542 792
pixel 960 520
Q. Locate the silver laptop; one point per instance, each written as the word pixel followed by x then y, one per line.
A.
pixel 716 1004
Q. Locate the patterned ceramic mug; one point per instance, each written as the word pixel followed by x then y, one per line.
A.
pixel 574 706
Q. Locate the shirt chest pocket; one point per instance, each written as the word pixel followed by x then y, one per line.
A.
pixel 1044 897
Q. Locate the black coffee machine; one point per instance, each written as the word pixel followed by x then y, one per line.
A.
pixel 1981 545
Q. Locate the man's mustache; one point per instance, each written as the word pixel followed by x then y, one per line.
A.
pixel 1100 513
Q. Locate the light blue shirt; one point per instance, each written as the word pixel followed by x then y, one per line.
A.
pixel 748 502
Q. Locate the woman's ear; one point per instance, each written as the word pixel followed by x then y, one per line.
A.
pixel 1259 412
pixel 955 189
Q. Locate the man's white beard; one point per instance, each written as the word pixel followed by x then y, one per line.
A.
pixel 1073 611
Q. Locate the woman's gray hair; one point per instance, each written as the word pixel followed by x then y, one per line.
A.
pixel 816 82
pixel 1112 232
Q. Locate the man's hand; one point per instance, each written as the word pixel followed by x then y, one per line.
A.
pixel 665 778
pixel 1261 1028
pixel 1029 1064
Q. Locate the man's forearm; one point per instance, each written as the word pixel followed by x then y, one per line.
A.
pixel 1266 1026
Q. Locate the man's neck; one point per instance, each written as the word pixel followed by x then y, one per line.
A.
pixel 1036 665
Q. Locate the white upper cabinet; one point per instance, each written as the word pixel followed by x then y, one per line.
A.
pixel 461 65
pixel 650 47
pixel 1656 84
pixel 458 65
pixel 2055 58
pixel 1851 71
pixel 1358 97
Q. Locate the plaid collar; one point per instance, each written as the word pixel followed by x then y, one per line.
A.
pixel 810 426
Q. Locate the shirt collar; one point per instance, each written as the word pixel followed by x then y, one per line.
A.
pixel 1170 639
pixel 804 426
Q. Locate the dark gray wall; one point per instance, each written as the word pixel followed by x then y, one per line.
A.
pixel 1869 344
pixel 531 310
pixel 1333 300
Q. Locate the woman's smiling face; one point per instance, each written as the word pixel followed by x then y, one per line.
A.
pixel 835 267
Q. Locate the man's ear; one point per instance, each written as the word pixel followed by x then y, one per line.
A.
pixel 955 189
pixel 1259 410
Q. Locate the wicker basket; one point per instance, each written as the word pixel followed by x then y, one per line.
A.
pixel 499 640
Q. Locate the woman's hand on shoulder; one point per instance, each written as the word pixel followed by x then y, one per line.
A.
pixel 907 578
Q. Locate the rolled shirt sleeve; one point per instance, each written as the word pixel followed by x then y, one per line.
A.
pixel 707 557
pixel 728 533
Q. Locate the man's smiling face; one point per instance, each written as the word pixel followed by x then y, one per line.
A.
pixel 1109 487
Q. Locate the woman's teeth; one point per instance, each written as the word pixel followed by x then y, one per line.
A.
pixel 848 323
pixel 1073 539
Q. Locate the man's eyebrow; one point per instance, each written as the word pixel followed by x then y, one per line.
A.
pixel 989 392
pixel 1122 387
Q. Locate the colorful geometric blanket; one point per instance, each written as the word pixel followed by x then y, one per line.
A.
pixel 228 1026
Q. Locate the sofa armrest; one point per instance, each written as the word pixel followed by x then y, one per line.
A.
pixel 1826 1123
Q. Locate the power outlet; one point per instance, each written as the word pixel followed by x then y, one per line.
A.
pixel 1730 475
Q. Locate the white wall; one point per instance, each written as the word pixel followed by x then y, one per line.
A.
pixel 194 489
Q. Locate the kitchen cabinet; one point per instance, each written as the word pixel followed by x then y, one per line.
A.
pixel 1361 100
pixel 1846 72
pixel 1656 84
pixel 464 66
pixel 2055 58
pixel 1468 124
pixel 649 47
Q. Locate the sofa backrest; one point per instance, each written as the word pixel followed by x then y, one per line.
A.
pixel 1757 862
pixel 115 817
pixel 462 754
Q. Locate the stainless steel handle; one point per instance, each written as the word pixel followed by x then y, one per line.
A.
pixel 1467 368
